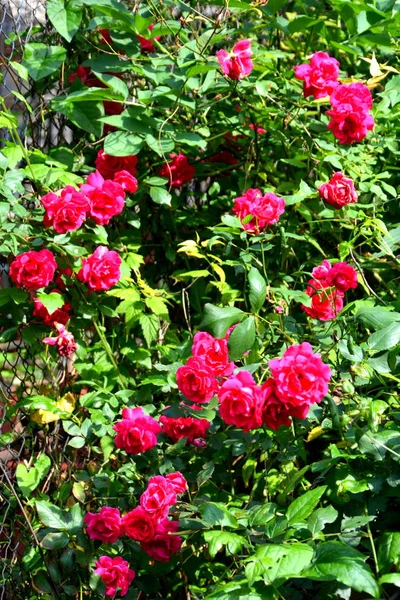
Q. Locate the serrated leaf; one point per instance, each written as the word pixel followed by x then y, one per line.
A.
pixel 302 507
pixel 257 290
pixel 160 195
pixel 242 338
pixel 69 520
pixel 320 517
pixel 150 325
pixel 280 561
pixel 216 513
pixel 219 539
pixel 386 338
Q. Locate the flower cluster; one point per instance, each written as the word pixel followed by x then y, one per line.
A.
pixel 178 170
pixel 327 288
pixel 256 210
pixel 351 103
pixel 136 432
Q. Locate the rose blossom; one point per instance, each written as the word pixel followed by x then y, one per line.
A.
pixel 60 315
pixel 196 380
pixel 184 427
pixel 163 545
pixel 127 181
pixel 107 198
pixel 137 432
pixel 258 128
pixel 108 165
pixel 104 525
pixel 321 272
pixel 343 277
pixel 101 270
pixel 115 573
pixel 351 119
pixel 237 64
pixel 326 301
pixel 213 352
pixel 33 270
pixel 64 342
pixel 178 170
pixel 300 375
pixel 177 481
pixel 320 76
pixel 139 525
pixel 65 212
pixel 158 497
pixel 265 209
pixel 338 191
pixel 146 44
pixel 241 401
pixel 275 413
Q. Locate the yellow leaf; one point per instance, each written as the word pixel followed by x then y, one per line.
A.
pixel 220 272
pixel 67 403
pixel 315 433
pixel 42 417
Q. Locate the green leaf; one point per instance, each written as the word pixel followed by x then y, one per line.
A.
pixel 122 143
pixel 51 301
pixel 262 514
pixel 206 473
pixel 257 290
pixel 242 338
pixel 385 338
pixel 191 139
pixel 160 146
pixel 115 84
pixel 302 507
pixel 217 319
pixel 84 115
pixel 160 196
pixel 55 540
pixel 76 442
pixel 69 520
pixel 391 579
pixel 65 16
pixel 15 295
pixel 215 513
pixel 335 561
pixel 42 60
pixel 150 325
pixel 273 561
pixel 218 539
pixel 28 481
pixel 389 551
pixel 320 517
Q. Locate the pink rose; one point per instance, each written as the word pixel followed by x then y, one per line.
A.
pixel 339 191
pixel 196 380
pixel 321 272
pixel 33 270
pixel 64 342
pixel 137 432
pixel 104 525
pixel 127 181
pixel 184 427
pixel 139 525
pixel 108 165
pixel 177 481
pixel 343 277
pixel 265 209
pixel 350 116
pixel 275 413
pixel 320 76
pixel 101 270
pixel 237 64
pixel 241 402
pixel 213 352
pixel 67 211
pixel 326 302
pixel 300 375
pixel 106 198
pixel 159 496
pixel 178 170
pixel 115 573
pixel 164 545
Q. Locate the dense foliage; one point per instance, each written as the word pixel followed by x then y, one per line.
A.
pixel 209 271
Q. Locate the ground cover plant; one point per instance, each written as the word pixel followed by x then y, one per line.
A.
pixel 208 269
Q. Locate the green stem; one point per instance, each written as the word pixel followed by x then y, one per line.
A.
pixel 109 352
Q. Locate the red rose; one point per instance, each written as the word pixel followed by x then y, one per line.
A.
pixel 115 573
pixel 64 342
pixel 343 277
pixel 104 525
pixel 196 381
pixel 60 315
pixel 158 497
pixel 300 376
pixel 33 270
pixel 225 157
pixel 275 412
pixel 213 352
pixel 184 427
pixel 350 116
pixel 109 165
pixel 86 77
pixel 321 272
pixel 139 525
pixel 58 281
pixel 126 181
pixel 320 76
pixel 339 191
pixel 163 545
pixel 241 402
pixel 106 198
pixel 65 212
pixel 137 432
pixel 326 302
pixel 101 270
pixel 145 43
pixel 177 481
pixel 178 170
pixel 266 209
